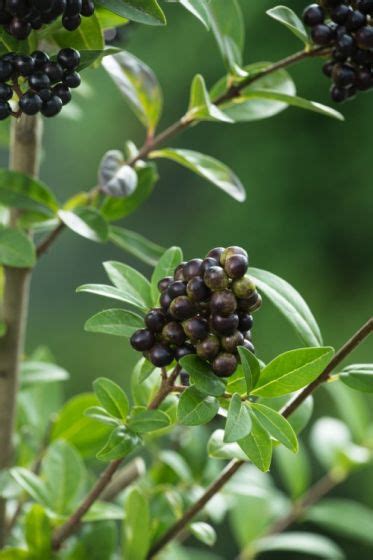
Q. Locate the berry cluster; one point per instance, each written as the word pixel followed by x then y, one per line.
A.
pixel 346 27
pixel 20 17
pixel 205 309
pixel 42 85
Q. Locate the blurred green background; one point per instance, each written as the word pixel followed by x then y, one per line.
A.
pixel 308 215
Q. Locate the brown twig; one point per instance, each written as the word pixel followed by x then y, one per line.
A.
pixel 72 524
pixel 47 242
pixel 235 464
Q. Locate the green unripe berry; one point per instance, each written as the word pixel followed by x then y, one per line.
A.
pixel 244 287
pixel 216 279
pixel 230 251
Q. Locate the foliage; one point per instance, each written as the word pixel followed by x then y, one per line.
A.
pixel 186 434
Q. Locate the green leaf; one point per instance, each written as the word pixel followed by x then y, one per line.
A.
pixel 238 424
pixel 112 397
pixel 290 303
pixel 276 425
pixel 149 421
pixel 202 376
pixel 241 110
pixel 300 418
pixel 257 446
pixel 195 408
pixel 64 473
pixel 21 191
pixel 358 377
pixel 165 267
pixel 120 444
pixel 115 208
pixel 142 11
pixel 12 553
pixel 86 222
pixel 136 526
pixel 287 17
pixel 294 101
pixel 198 9
pixel 82 432
pixel 227 24
pixel 38 532
pixel 116 322
pixel 344 517
pixel 294 470
pixel 32 484
pixel 292 371
pixel 41 372
pixel 207 167
pixel 307 543
pixel 88 36
pixel 250 367
pixel 101 415
pixel 136 245
pixel 138 84
pixel 129 280
pixel 200 106
pixel 217 449
pixel 16 249
pixel 103 511
pixel 203 532
pixel 116 178
pixel 112 293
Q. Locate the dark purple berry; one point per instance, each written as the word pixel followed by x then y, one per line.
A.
pixel 155 320
pixel 142 340
pixel 208 348
pixel 160 355
pixel 224 365
pixel 216 279
pixel 225 325
pixel 173 333
pixel 182 308
pixel 223 303
pixel 313 15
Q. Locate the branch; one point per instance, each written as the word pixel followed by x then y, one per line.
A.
pixel 235 464
pixel 24 157
pixel 185 122
pixel 47 242
pixel 106 478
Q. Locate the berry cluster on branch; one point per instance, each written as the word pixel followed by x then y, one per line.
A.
pixel 347 27
pixel 20 17
pixel 205 309
pixel 41 84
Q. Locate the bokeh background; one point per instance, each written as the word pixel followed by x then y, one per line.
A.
pixel 308 215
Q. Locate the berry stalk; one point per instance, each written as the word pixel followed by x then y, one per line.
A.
pixel 24 157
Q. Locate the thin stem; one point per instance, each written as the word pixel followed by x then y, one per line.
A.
pixel 24 157
pixel 49 240
pixel 234 465
pixel 72 524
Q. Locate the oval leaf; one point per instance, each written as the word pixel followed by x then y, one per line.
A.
pixel 292 371
pixel 86 222
pixel 16 249
pixel 202 376
pixel 207 167
pixel 117 322
pixel 290 303
pixel 238 424
pixel 195 408
pixel 139 85
pixel 276 425
pixel 112 397
pixel 287 17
